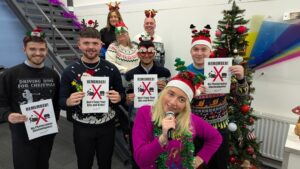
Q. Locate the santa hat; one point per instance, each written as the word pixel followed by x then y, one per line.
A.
pixel 150 13
pixel 201 37
pixel 187 81
pixel 37 32
pixel 121 27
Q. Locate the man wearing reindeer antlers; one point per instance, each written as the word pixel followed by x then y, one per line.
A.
pixel 147 65
pixel 93 133
pixel 149 30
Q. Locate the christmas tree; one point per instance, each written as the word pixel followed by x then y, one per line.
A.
pixel 231 42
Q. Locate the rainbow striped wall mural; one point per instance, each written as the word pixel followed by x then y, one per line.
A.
pixel 272 42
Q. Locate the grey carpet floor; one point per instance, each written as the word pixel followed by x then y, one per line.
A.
pixel 63 152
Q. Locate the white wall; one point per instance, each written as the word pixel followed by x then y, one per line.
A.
pixel 277 91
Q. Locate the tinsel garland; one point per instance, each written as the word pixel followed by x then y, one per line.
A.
pixel 187 154
pixel 56 2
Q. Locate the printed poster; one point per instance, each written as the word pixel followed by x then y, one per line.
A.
pixel 145 89
pixel 218 76
pixel 41 118
pixel 95 89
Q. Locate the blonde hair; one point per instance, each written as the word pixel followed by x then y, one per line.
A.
pixel 183 118
pixel 129 43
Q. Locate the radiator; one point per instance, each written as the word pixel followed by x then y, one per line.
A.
pixel 272 132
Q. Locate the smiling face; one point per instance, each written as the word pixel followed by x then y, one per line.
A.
pixel 36 52
pixel 149 25
pixel 174 100
pixel 113 19
pixel 146 55
pixel 199 52
pixel 90 47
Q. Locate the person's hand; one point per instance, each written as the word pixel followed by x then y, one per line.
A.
pixel 238 71
pixel 167 123
pixel 75 99
pixel 129 98
pixel 161 84
pixel 16 118
pixel 296 110
pixel 113 96
pixel 197 162
pixel 202 89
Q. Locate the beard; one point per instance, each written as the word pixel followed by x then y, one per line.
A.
pixel 91 54
pixel 36 60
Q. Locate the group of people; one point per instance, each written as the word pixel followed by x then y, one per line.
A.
pixel 176 131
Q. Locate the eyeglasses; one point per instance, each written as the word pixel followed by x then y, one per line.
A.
pixel 149 53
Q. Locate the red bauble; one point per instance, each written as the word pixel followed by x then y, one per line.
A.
pixel 232 159
pixel 250 150
pixel 245 109
pixel 90 22
pixel 218 33
pixel 212 55
pixel 251 120
pixel 241 29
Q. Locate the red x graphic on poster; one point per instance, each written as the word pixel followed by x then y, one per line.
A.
pixel 96 91
pixel 40 116
pixel 146 88
pixel 218 73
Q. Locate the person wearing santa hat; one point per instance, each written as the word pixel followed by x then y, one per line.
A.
pixel 155 146
pixel 216 115
pixel 149 30
pixel 147 65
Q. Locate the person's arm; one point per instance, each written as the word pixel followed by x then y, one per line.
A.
pixel 56 97
pixel 64 90
pixel 6 112
pixel 117 86
pixel 4 102
pixel 163 53
pixel 146 148
pixel 111 55
pixel 212 138
pixel 242 87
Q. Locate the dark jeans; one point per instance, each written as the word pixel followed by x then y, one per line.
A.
pixel 93 140
pixel 220 159
pixel 33 154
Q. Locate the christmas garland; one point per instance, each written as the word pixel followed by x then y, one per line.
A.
pixel 187 154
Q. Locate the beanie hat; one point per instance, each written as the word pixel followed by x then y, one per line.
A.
pixel 150 13
pixel 187 81
pixel 201 37
pixel 121 27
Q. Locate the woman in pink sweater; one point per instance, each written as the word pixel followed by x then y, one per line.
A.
pixel 153 148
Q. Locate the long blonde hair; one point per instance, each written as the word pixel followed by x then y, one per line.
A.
pixel 183 118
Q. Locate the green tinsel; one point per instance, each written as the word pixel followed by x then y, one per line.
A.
pixel 187 154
